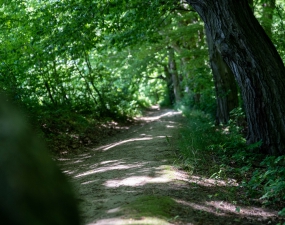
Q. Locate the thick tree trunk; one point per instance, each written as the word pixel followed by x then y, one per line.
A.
pixel 258 69
pixel 225 84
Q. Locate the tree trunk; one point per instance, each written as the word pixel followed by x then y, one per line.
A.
pixel 174 75
pixel 225 84
pixel 86 83
pixel 49 93
pixel 90 78
pixel 55 74
pixel 170 90
pixel 258 69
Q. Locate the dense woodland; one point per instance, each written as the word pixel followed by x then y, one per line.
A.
pixel 79 67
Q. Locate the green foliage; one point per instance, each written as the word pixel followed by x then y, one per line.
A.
pixel 61 60
pixel 66 131
pixel 268 181
pixel 271 16
pixel 59 54
pixel 65 54
pixel 198 139
pixel 278 29
pixel 81 66
pixel 221 152
pixel 107 59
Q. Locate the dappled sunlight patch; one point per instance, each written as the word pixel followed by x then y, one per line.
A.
pixel 114 125
pixel 130 181
pixel 163 174
pixel 107 147
pixel 74 160
pixel 108 162
pixel 208 182
pixel 145 135
pixel 135 181
pixel 222 208
pixel 103 169
pixel 153 118
pixel 162 136
pixel 241 210
pixel 89 182
pixel 178 174
pixel 132 221
pixel 200 207
pixel 115 210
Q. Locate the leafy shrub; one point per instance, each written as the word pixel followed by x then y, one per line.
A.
pixel 269 181
pixel 223 148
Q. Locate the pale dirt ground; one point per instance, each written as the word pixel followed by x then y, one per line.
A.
pixel 140 162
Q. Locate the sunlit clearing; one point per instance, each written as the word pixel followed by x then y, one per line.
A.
pixel 152 118
pixel 122 221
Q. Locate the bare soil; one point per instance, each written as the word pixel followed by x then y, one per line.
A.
pixel 132 178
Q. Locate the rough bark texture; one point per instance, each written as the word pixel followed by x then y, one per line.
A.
pixel 258 69
pixel 225 84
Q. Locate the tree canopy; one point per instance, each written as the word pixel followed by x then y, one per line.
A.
pixel 80 67
pixel 109 58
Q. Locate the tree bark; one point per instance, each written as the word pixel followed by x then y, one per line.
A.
pixel 258 69
pixel 59 83
pixel 225 84
pixel 86 83
pixel 174 74
pixel 90 78
pixel 170 90
pixel 49 93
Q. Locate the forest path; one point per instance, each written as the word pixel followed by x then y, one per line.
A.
pixel 132 180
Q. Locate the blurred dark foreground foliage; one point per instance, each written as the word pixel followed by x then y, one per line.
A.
pixel 33 190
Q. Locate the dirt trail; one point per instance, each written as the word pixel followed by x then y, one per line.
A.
pixel 121 181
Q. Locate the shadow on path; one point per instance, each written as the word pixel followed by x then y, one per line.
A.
pixel 139 162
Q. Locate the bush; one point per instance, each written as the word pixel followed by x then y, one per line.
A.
pixel 204 146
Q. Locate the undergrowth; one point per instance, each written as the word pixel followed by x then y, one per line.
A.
pixel 65 131
pixel 221 152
